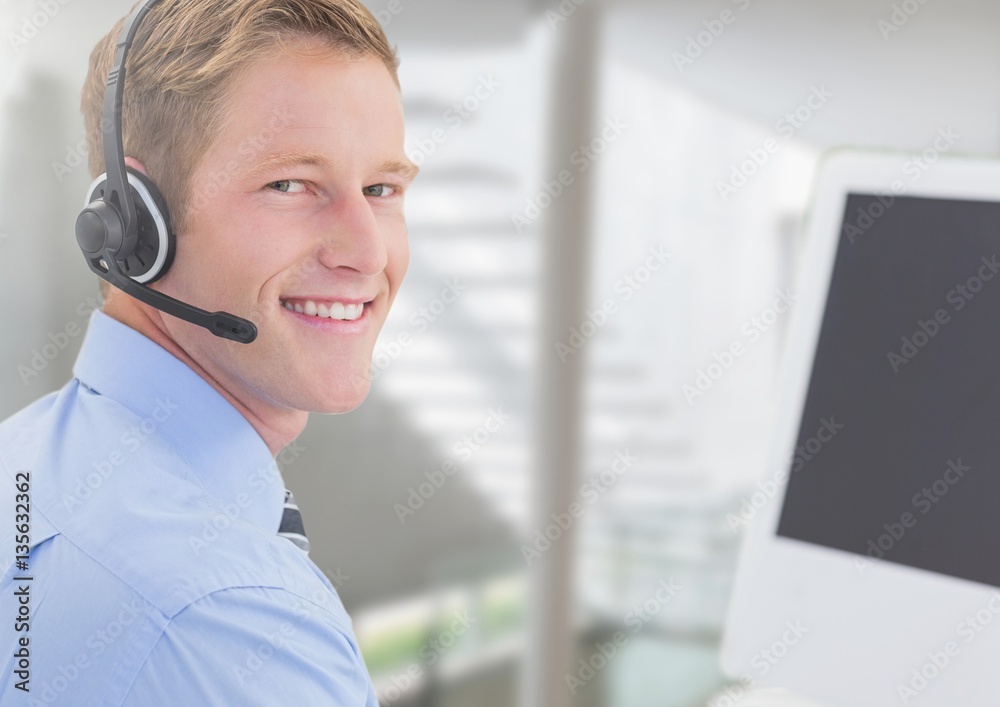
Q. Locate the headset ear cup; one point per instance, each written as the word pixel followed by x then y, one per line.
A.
pixel 154 251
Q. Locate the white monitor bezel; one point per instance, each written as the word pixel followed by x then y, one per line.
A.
pixel 865 630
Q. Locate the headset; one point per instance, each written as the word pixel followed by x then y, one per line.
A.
pixel 125 232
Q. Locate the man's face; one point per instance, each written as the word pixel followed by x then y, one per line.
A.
pixel 296 223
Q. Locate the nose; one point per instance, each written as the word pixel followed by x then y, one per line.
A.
pixel 353 238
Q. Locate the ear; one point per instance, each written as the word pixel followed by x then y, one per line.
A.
pixel 136 165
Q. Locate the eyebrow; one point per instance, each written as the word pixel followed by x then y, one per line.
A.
pixel 404 169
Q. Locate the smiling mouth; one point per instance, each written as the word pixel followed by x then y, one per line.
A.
pixel 342 311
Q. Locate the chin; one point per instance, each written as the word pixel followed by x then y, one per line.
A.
pixel 341 399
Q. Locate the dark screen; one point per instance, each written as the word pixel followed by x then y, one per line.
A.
pixel 896 454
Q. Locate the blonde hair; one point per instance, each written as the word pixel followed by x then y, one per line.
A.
pixel 186 57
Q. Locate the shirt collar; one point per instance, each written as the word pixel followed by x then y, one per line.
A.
pixel 222 447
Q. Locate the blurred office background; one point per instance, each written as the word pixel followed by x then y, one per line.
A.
pixel 457 595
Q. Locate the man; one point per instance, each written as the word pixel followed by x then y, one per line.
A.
pixel 155 572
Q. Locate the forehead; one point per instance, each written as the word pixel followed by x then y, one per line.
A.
pixel 319 103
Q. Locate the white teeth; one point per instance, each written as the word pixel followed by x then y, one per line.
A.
pixel 334 310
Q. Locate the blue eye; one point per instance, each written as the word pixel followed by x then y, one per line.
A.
pixel 381 190
pixel 287 186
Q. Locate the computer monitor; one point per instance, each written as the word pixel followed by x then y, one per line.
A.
pixel 871 568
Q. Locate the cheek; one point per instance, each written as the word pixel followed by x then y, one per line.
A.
pixel 243 252
pixel 398 247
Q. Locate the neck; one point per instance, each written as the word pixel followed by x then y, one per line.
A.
pixel 278 427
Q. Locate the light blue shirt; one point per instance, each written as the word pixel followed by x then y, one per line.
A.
pixel 157 576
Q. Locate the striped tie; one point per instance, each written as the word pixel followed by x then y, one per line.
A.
pixel 291 523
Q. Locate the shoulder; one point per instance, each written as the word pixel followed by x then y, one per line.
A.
pixel 21 433
pixel 128 501
pixel 67 432
pixel 251 642
pixel 254 646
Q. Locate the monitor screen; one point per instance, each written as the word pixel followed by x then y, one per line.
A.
pixel 897 452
